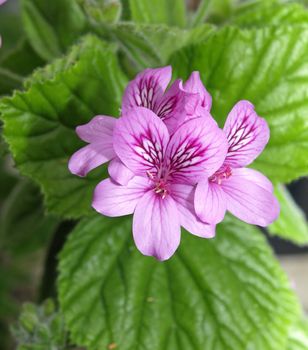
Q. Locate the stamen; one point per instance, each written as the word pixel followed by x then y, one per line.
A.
pixel 161 188
pixel 151 176
pixel 221 174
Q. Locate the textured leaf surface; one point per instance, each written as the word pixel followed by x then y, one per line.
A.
pixel 40 122
pixel 158 11
pixel 269 67
pixel 291 224
pixel 224 293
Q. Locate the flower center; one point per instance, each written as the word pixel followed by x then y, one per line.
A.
pixel 221 174
pixel 160 185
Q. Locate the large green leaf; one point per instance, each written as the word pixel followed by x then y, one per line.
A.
pixel 52 26
pixel 40 122
pixel 158 11
pixel 269 67
pixel 291 224
pixel 224 293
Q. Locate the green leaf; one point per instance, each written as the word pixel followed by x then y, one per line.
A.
pixel 40 122
pixel 298 337
pixel 291 224
pixel 152 45
pixel 269 67
pixel 23 225
pixel 261 13
pixel 224 293
pixel 158 11
pixel 52 26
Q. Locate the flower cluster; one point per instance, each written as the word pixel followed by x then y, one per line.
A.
pixel 172 166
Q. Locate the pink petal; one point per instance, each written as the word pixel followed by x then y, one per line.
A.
pixel 196 149
pixel 253 176
pixel 210 202
pixel 156 226
pixel 195 85
pixel 184 197
pixel 2 2
pixel 111 199
pixel 99 129
pixel 175 105
pixel 250 202
pixel 119 172
pixel 147 88
pixel 90 157
pixel 140 140
pixel 247 135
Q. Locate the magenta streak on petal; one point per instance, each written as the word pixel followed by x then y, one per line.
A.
pixel 145 92
pixel 188 153
pixel 165 109
pixel 146 146
pixel 140 139
pixel 240 135
pixel 147 89
pixel 247 134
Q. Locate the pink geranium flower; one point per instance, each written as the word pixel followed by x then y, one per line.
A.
pixel 245 192
pixel 166 168
pixel 173 106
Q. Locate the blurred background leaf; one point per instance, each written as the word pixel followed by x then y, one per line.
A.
pixel 168 12
pixel 24 227
pixel 40 328
pixel 102 11
pixel 52 26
